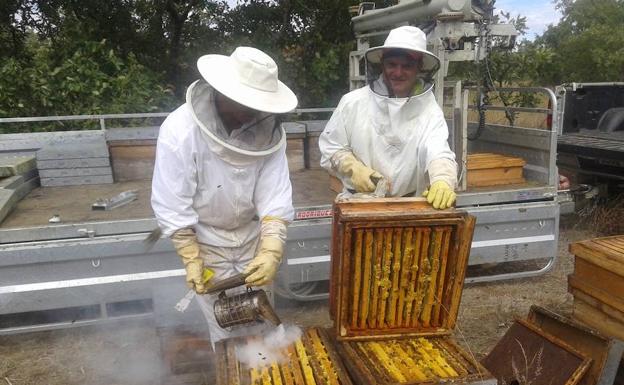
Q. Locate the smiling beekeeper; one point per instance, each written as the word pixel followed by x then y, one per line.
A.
pixel 393 128
pixel 221 189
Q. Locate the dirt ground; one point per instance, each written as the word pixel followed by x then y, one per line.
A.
pixel 129 353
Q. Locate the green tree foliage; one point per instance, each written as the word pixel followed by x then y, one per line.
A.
pixel 92 80
pixel 163 35
pixel 70 56
pixel 310 40
pixel 86 56
pixel 588 44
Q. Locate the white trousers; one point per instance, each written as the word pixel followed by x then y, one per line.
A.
pixel 226 262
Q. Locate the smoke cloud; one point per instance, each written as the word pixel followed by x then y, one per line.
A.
pixel 268 348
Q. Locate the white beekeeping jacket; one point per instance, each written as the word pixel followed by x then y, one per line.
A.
pixel 398 137
pixel 199 184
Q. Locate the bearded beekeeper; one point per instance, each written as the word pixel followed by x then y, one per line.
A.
pixel 221 189
pixel 393 128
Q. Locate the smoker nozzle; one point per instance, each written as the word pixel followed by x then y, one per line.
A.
pixel 227 283
pixel 266 310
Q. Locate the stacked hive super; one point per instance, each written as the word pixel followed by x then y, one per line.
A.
pixel 397 274
pixel 597 284
pixel 487 169
pixel 398 269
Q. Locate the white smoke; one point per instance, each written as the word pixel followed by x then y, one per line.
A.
pixel 269 348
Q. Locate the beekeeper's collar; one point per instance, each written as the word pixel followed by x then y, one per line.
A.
pixel 379 87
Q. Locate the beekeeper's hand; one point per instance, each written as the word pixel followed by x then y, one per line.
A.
pixel 364 179
pixel 264 265
pixel 185 243
pixel 440 195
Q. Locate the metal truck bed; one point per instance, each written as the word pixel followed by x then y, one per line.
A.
pixel 609 144
pixel 96 263
pixel 73 203
pixel 591 133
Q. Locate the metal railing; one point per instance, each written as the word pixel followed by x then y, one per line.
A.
pixel 102 118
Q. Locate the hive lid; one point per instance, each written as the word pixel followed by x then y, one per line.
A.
pixel 607 252
pixel 489 160
pixel 398 268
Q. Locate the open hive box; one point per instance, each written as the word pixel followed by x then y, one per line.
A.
pixel 397 274
pixel 398 269
pixel 311 360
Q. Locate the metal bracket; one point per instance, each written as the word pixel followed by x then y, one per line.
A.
pixel 116 201
pixel 87 232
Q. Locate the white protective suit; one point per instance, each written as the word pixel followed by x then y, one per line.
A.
pixel 397 137
pixel 200 184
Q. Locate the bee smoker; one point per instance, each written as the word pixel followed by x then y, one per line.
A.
pixel 246 307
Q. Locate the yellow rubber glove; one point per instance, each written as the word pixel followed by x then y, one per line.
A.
pixel 185 243
pixel 264 265
pixel 440 195
pixel 364 179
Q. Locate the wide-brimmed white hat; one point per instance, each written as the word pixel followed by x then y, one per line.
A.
pixel 407 38
pixel 249 77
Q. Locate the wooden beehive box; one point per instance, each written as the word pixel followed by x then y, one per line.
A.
pixel 397 275
pixel 310 360
pixel 604 352
pixel 528 355
pixel 597 284
pixel 487 169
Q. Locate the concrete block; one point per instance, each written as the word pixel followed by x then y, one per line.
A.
pixel 28 175
pixel 77 180
pixel 74 151
pixel 62 172
pixel 11 182
pixel 73 163
pixel 25 188
pixel 8 200
pixel 15 165
pixel 33 141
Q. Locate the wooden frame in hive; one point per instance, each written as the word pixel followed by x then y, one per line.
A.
pixel 398 270
pixel 311 360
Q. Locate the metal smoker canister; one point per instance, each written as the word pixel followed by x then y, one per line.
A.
pixel 250 306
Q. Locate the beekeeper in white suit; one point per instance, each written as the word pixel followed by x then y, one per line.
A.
pixel 221 188
pixel 393 128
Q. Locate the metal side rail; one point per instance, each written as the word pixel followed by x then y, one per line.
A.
pixel 515 232
pixel 307 255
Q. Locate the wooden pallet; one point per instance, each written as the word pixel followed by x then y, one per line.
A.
pixel 488 169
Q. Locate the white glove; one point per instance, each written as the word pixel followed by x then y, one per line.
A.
pixel 264 265
pixel 440 195
pixel 185 243
pixel 364 179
